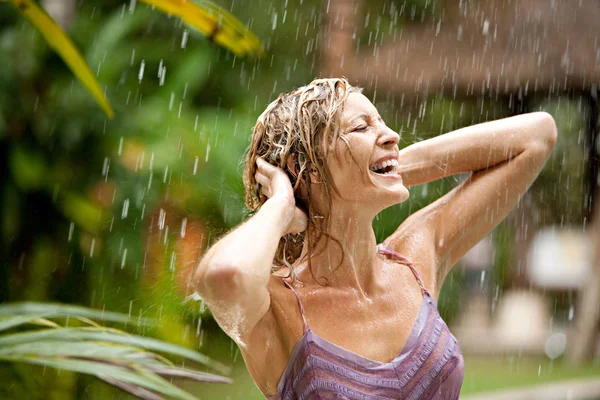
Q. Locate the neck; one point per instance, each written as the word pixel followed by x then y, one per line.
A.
pixel 349 263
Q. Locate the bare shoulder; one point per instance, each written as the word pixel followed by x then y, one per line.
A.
pixel 415 240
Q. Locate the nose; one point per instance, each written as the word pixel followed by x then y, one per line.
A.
pixel 388 137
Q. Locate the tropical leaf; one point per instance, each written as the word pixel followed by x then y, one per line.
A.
pixel 217 23
pixel 52 310
pixel 11 321
pixel 60 42
pixel 120 359
pixel 140 377
pixel 112 336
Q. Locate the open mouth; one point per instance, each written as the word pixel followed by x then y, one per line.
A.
pixel 385 168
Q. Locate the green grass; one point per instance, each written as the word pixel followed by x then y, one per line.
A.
pixel 481 374
pixel 484 374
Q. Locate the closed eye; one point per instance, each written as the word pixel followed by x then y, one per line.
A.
pixel 361 128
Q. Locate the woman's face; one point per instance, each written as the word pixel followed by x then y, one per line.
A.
pixel 370 141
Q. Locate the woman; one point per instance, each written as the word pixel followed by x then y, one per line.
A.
pixel 318 309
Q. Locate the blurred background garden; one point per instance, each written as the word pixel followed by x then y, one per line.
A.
pixel 114 212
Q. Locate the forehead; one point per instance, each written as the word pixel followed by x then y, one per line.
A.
pixel 355 105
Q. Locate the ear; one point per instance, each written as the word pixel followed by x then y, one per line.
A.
pixel 314 176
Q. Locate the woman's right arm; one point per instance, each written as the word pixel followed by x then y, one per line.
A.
pixel 233 275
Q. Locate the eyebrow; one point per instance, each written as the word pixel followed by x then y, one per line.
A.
pixel 366 117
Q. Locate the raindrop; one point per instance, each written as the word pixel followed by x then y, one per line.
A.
pixel 162 77
pixel 120 150
pixel 195 165
pixel 571 312
pixel 71 228
pixel 184 39
pixel 172 265
pixel 124 258
pixel 105 166
pixel 141 71
pixel 207 151
pixel 198 326
pixel 125 209
pixel 162 214
pixel 92 248
pixel 171 100
pixel 183 226
pixel 274 24
pixel 486 27
pixel 162 71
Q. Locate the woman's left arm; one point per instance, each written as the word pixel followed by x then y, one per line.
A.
pixel 505 157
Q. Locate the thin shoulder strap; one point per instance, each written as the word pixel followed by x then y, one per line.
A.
pixel 404 260
pixel 299 303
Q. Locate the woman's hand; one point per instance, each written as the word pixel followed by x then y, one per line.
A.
pixel 276 185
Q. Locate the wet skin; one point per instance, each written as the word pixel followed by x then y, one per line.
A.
pixel 371 303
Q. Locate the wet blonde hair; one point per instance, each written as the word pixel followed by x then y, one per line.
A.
pixel 304 122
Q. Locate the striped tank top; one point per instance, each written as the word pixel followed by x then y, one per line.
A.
pixel 429 366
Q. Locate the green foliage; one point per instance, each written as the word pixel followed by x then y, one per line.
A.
pixel 126 361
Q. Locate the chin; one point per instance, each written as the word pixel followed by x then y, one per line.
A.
pixel 404 195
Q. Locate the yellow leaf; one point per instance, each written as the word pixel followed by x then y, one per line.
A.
pixel 217 23
pixel 59 41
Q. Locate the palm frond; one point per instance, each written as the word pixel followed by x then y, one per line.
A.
pixel 60 42
pixel 130 362
pixel 53 310
pixel 217 23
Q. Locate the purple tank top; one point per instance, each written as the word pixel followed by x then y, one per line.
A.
pixel 429 366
